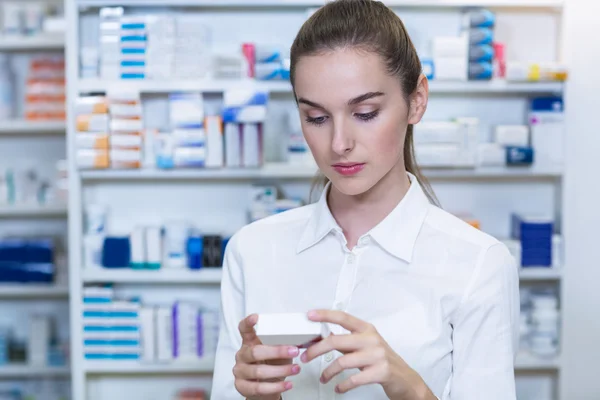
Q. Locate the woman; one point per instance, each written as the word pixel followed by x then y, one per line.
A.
pixel 422 305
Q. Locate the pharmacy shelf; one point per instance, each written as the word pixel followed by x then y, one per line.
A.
pixel 26 43
pixel 287 171
pixel 33 211
pixel 33 291
pixel 529 362
pixel 205 366
pixel 540 274
pixel 217 86
pixel 316 3
pixel 24 127
pixel 206 276
pixel 24 370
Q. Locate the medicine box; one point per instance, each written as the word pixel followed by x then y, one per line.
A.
pixel 292 329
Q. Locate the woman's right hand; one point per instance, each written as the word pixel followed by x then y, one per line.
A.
pixel 260 370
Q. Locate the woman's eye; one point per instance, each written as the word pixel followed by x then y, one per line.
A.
pixel 367 116
pixel 316 120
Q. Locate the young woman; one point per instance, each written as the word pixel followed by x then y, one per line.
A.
pixel 421 305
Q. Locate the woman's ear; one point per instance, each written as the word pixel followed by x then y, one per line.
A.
pixel 418 100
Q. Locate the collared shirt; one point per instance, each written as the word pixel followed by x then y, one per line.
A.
pixel 443 294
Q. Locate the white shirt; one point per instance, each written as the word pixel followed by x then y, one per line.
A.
pixel 443 294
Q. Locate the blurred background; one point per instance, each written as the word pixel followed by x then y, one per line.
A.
pixel 136 138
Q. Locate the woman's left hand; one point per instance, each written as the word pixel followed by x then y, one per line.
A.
pixel 366 350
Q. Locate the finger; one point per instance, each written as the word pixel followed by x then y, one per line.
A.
pixel 361 359
pixel 341 318
pixel 264 372
pixel 368 376
pixel 246 328
pixel 253 389
pixel 260 352
pixel 341 343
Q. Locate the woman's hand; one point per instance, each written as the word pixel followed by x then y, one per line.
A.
pixel 260 370
pixel 366 350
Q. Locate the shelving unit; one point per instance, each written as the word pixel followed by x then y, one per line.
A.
pixel 33 291
pixel 29 43
pixel 109 184
pixel 218 86
pixel 33 211
pixel 32 128
pixel 20 371
pixel 285 171
pixel 204 366
pixel 207 276
pixel 316 3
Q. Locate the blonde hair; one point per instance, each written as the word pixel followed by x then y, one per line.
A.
pixel 370 26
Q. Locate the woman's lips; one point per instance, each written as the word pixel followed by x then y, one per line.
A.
pixel 348 169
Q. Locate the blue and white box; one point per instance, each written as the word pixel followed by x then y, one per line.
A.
pixel 535 234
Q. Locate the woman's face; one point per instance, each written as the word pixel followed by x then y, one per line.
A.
pixel 354 117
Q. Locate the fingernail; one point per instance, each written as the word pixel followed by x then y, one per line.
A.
pixel 322 380
pixel 287 385
pixel 293 351
pixel 312 314
pixel 337 389
pixel 304 357
pixel 295 369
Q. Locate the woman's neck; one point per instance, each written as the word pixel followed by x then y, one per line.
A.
pixel 358 214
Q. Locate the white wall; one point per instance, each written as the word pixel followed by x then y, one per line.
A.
pixel 581 331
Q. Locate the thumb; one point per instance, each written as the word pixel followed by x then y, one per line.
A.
pixel 247 331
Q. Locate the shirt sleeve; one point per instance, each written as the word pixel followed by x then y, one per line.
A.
pixel 485 330
pixel 232 312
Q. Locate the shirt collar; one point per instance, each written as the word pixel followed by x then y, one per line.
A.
pixel 396 234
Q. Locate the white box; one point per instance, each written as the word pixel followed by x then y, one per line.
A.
pixel 164 334
pixel 153 255
pixel 290 329
pixel 126 125
pixel 126 141
pixel 491 155
pixel 138 247
pixel 214 142
pixel 438 155
pixel 148 334
pixel 233 144
pixel 450 46
pixel 252 145
pixel 451 68
pixel 438 132
pixel 512 135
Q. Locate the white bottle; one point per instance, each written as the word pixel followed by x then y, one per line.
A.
pixel 6 88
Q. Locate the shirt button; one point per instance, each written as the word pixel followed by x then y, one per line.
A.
pixel 364 241
pixel 351 258
pixel 329 357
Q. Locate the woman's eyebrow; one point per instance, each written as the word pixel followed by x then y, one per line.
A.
pixel 356 100
pixel 363 97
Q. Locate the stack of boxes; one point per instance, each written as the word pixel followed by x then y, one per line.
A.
pixel 45 94
pixel 450 144
pixel 111 329
pixel 265 62
pixel 535 235
pixel 468 56
pixel 126 127
pixel 126 330
pixel 244 114
pixel 92 132
pixel 510 147
pixel 192 55
pixel 187 125
pixel 478 25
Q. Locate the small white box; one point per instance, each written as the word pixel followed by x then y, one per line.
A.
pixel 512 135
pixel 491 155
pixel 252 145
pixel 451 68
pixel 451 46
pixel 233 145
pixel 126 141
pixel 147 316
pixel 164 334
pixel 214 142
pixel 138 247
pixel 289 329
pixel 153 247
